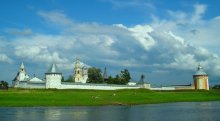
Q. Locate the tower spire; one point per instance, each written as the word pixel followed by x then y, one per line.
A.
pixel 105 76
pixel 22 68
pixel 22 65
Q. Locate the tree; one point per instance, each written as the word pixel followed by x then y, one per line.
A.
pixel 117 79
pixel 216 87
pixel 62 80
pixel 94 75
pixel 124 76
pixel 110 80
pixel 3 85
pixel 70 79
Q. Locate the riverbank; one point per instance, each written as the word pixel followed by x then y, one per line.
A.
pixel 42 97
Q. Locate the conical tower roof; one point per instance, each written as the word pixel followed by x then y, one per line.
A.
pixel 105 76
pixel 22 68
pixel 141 81
pixel 53 69
pixel 22 65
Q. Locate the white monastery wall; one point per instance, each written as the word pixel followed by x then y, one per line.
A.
pixel 31 85
pixel 163 88
pixel 96 86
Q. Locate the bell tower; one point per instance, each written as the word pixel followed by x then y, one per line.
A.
pixel 78 71
pixel 22 73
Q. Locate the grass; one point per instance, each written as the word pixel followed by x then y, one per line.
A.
pixel 41 97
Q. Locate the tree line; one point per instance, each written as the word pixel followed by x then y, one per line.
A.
pixel 95 76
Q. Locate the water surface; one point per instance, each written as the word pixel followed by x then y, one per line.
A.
pixel 187 111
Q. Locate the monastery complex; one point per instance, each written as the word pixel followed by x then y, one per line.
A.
pixel 53 79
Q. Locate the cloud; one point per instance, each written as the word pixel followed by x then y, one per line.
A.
pixel 160 48
pixel 131 3
pixel 39 54
pixel 70 26
pixel 141 33
pixel 200 9
pixel 15 31
pixel 56 17
pixel 5 58
pixel 159 44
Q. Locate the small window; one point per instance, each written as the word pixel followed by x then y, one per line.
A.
pixel 78 71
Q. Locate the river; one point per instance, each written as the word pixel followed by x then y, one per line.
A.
pixel 184 111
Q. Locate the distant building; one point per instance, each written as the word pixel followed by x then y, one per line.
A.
pixel 80 72
pixel 201 79
pixel 53 79
pixel 142 82
pixel 22 80
pixel 21 76
pixel 105 76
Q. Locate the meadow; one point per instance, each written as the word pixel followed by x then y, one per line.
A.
pixel 53 97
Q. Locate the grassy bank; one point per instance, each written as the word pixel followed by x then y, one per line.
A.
pixel 24 97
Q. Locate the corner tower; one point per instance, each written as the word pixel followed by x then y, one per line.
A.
pixel 201 79
pixel 53 77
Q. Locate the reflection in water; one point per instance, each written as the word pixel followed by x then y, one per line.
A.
pixel 200 111
pixel 52 114
pixel 80 115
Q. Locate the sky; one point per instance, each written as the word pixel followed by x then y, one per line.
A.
pixel 163 39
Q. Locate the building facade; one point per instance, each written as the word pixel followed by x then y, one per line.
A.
pixel 80 72
pixel 201 79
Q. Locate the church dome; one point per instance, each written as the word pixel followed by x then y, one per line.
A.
pixel 200 71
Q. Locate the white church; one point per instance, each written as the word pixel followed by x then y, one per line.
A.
pixel 53 79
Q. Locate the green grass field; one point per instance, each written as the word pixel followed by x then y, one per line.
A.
pixel 41 97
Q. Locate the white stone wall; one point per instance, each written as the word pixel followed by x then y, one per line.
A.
pixel 53 81
pixel 163 88
pixel 97 86
pixel 30 85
